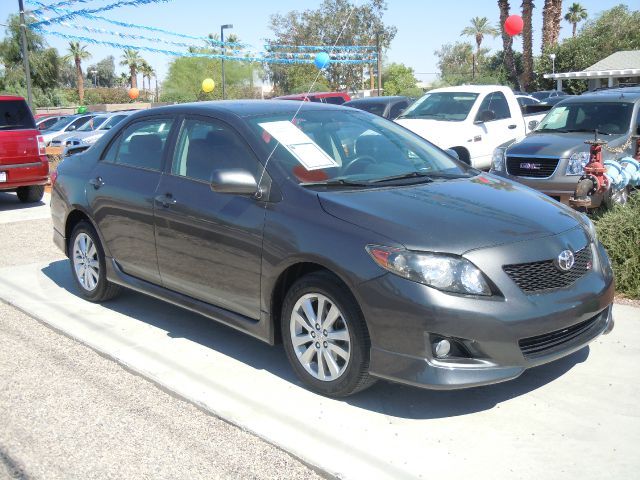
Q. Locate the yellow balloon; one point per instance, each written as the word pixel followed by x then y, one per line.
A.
pixel 208 85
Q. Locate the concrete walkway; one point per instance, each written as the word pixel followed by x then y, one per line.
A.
pixel 575 418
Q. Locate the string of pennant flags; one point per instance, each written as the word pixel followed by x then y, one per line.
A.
pixel 233 51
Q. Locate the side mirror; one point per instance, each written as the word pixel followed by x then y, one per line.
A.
pixel 485 116
pixel 533 124
pixel 453 153
pixel 235 181
pixel 71 128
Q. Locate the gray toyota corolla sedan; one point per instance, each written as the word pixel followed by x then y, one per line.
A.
pixel 367 251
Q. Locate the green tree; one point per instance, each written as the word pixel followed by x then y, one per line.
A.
pixel 78 53
pixel 575 15
pixel 333 21
pixel 480 26
pixel 106 72
pixel 132 59
pixel 147 72
pixel 398 79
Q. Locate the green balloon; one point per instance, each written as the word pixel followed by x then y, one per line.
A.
pixel 82 109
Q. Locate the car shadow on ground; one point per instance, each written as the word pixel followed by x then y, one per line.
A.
pixel 9 201
pixel 384 397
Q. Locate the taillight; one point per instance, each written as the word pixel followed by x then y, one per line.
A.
pixel 42 147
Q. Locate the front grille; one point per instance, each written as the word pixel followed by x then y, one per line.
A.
pixel 541 344
pixel 536 277
pixel 531 166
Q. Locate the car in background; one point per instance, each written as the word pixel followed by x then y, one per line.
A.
pixel 387 107
pixel 48 121
pixel 552 158
pixel 24 167
pixel 472 120
pixel 84 137
pixel 67 124
pixel 392 260
pixel 548 95
pixel 526 100
pixel 333 98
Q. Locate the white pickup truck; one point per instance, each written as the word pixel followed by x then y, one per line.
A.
pixel 472 120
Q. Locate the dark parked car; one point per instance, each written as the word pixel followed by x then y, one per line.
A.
pixel 333 98
pixel 390 261
pixel 548 95
pixel 387 107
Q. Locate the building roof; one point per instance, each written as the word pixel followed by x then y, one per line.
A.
pixel 628 59
pixel 620 64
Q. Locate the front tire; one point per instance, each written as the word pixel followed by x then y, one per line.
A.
pixel 88 266
pixel 325 336
pixel 31 194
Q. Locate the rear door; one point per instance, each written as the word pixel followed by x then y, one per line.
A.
pixel 210 244
pixel 121 194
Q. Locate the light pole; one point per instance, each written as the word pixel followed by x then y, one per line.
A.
pixel 224 51
pixel 553 62
pixel 95 78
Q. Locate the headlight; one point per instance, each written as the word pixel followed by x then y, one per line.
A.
pixel 590 228
pixel 497 162
pixel 444 272
pixel 576 164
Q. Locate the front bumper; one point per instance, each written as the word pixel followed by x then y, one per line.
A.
pixel 404 319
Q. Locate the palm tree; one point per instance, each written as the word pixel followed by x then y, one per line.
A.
pixel 575 14
pixel 527 44
pixel 480 26
pixel 147 72
pixel 551 20
pixel 133 60
pixel 78 53
pixel 507 44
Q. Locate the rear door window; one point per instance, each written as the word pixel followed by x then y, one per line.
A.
pixel 141 144
pixel 15 115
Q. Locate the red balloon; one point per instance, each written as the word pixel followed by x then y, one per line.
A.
pixel 513 25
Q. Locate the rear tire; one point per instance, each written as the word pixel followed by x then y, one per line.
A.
pixel 31 194
pixel 88 267
pixel 325 336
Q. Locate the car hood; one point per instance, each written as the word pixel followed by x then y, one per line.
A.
pixel 452 216
pixel 90 133
pixel 438 132
pixel 561 145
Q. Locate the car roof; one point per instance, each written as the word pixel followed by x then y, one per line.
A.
pixel 609 96
pixel 241 108
pixel 313 94
pixel 473 89
pixel 10 97
pixel 376 100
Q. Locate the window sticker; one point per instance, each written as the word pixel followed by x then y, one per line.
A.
pixel 305 150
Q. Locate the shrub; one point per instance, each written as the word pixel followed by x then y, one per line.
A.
pixel 619 232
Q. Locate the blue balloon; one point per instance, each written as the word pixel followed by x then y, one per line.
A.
pixel 322 60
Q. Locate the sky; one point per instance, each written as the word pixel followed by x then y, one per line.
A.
pixel 423 25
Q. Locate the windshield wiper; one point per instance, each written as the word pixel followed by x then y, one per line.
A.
pixel 425 176
pixel 554 130
pixel 339 182
pixel 590 130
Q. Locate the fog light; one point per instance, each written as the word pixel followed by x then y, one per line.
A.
pixel 441 348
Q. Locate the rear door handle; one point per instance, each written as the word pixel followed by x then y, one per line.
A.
pixel 166 200
pixel 511 127
pixel 96 182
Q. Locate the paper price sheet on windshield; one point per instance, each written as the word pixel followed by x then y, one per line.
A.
pixel 305 150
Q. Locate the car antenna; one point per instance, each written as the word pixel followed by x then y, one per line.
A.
pixel 264 169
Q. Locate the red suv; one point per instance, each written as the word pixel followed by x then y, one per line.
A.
pixel 24 167
pixel 335 98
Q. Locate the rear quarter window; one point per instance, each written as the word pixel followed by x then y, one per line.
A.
pixel 15 115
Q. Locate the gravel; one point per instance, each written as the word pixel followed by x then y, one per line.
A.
pixel 66 412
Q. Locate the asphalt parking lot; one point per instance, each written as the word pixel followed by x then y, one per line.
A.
pixel 575 418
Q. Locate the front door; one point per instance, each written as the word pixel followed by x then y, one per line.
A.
pixel 121 195
pixel 210 244
pixel 502 128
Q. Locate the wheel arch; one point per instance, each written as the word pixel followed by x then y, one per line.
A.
pixel 75 216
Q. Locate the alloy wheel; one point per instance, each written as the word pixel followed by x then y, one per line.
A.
pixel 85 262
pixel 320 337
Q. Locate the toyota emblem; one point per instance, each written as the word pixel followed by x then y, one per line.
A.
pixel 565 260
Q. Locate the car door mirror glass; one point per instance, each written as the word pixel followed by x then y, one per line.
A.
pixel 485 116
pixel 235 181
pixel 533 124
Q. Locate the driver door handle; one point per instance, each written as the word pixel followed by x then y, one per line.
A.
pixel 166 200
pixel 511 127
pixel 97 182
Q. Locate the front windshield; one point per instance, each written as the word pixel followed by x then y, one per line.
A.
pixel 450 106
pixel 93 124
pixel 359 147
pixel 63 122
pixel 111 122
pixel 541 95
pixel 609 118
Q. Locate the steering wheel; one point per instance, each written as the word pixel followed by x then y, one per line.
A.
pixel 358 161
